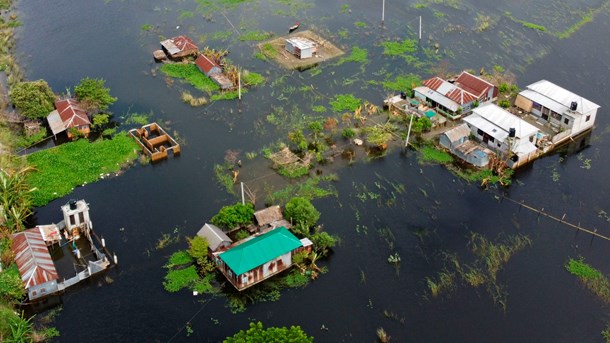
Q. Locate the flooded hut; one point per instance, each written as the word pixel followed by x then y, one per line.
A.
pixel 69 116
pixel 301 47
pixel 214 71
pixel 179 47
pixel 270 218
pixel 216 238
pixel 260 257
pixel 457 142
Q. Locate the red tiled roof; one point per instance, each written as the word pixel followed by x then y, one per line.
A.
pixel 473 84
pixel 33 259
pixel 205 63
pixel 71 114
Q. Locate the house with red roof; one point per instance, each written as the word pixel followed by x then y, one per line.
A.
pixel 456 97
pixel 178 47
pixel 69 116
pixel 212 70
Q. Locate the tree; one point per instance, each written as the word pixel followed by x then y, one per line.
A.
pixel 256 334
pixel 33 99
pixel 93 95
pixel 300 211
pixel 198 249
pixel 232 216
pixel 322 241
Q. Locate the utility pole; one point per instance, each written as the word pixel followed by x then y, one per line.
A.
pixel 382 12
pixel 243 200
pixel 409 131
pixel 420 29
pixel 239 83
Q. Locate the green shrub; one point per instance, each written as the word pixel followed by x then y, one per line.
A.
pixel 300 210
pixel 345 102
pixel 176 280
pixel 348 133
pixel 191 74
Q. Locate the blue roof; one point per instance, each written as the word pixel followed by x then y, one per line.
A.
pixel 260 250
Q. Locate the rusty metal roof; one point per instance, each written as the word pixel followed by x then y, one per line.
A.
pixel 449 90
pixel 33 259
pixel 205 63
pixel 178 44
pixel 473 84
pixel 70 115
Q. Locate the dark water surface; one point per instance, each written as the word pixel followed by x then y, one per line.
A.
pixel 64 41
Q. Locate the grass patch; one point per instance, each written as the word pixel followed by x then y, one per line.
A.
pixel 360 24
pixel 137 118
pixel 230 95
pixel 191 74
pixel 221 35
pixel 358 55
pixel 592 278
pixel 224 177
pixel 408 46
pixel 146 27
pixel 179 258
pixel 177 279
pixel 60 169
pixel 402 83
pixel 249 78
pixel 309 189
pixel 431 154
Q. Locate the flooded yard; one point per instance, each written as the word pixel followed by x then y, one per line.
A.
pixel 379 206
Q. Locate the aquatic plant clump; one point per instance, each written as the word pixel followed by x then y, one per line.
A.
pixel 191 74
pixel 60 169
pixel 345 102
pixel 592 278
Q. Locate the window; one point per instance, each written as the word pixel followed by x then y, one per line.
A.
pixel 532 139
pixel 536 106
pixel 499 144
pixel 588 117
pixel 566 121
pixel 491 139
pixel 555 115
pixel 479 132
pixel 81 218
pixel 72 222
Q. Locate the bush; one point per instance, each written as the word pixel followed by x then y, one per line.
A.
pixel 232 216
pixel 11 288
pixel 176 280
pixel 93 94
pixel 504 103
pixel 348 133
pixel 256 333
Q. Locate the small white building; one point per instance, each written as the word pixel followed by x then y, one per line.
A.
pixel 569 113
pixel 301 47
pixel 505 133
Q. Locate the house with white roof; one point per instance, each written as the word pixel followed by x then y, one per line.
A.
pixel 505 133
pixel 568 113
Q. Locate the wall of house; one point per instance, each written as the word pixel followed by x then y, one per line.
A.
pixel 42 290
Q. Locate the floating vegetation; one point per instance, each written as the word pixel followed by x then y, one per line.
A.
pixel 255 36
pixel 190 73
pixel 407 46
pixel 402 83
pixel 360 24
pixel 139 119
pixel 345 102
pixel 188 98
pixel 309 189
pixel 146 27
pixel 490 257
pixel 221 35
pixel 358 55
pixel 525 23
pixel 592 278
pixel 225 175
pixel 167 239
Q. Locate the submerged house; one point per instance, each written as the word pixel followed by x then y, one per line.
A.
pixel 260 257
pixel 49 261
pixel 38 274
pixel 69 116
pixel 301 47
pixel 504 133
pixel 178 47
pixel 456 97
pixel 457 141
pixel 212 70
pixel 567 113
pixel 216 238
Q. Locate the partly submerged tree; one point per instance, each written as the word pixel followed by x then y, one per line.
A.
pixel 33 99
pixel 301 212
pixel 93 94
pixel 257 334
pixel 232 216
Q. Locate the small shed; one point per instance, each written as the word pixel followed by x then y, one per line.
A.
pixel 473 153
pixel 271 216
pixel 217 239
pixel 35 264
pixel 450 139
pixel 223 81
pixel 68 114
pixel 180 46
pixel 207 66
pixel 301 47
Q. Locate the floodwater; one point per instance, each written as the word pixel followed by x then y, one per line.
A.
pixel 434 211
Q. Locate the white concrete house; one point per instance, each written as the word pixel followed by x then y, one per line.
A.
pixel 570 114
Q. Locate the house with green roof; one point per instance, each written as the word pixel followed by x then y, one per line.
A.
pixel 260 257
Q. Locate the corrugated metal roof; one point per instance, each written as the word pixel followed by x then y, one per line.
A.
pixel 473 84
pixel 486 126
pixel 178 44
pixel 33 259
pixel 268 215
pixel 71 113
pixel 55 122
pixel 205 63
pixel 438 98
pixel 301 43
pixel 505 120
pixel 213 235
pixel 457 132
pixel 449 90
pixel 260 250
pixel 551 93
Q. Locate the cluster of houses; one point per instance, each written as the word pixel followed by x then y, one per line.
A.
pixel 53 257
pixel 267 252
pixel 546 116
